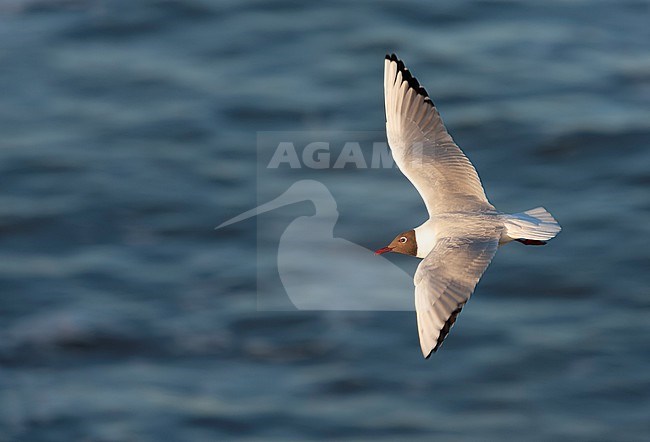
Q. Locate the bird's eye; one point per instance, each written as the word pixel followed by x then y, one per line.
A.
pixel 403 239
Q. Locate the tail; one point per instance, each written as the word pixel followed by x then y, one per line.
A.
pixel 532 227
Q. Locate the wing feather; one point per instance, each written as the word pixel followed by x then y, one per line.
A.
pixel 424 150
pixel 445 280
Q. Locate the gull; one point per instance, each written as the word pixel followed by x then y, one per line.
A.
pixel 461 236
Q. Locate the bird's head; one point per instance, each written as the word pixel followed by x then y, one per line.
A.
pixel 404 243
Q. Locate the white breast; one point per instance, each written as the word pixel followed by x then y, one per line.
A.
pixel 425 236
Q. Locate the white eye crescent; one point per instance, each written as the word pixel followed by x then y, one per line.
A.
pixel 403 239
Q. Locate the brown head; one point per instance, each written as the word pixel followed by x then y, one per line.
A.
pixel 403 243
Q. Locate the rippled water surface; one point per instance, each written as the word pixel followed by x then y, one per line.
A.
pixel 129 130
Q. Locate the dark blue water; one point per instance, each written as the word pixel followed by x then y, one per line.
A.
pixel 128 131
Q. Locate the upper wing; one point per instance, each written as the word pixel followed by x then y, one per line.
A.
pixel 444 281
pixel 424 150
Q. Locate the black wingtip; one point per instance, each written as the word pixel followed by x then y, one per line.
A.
pixel 410 79
pixel 531 242
pixel 447 327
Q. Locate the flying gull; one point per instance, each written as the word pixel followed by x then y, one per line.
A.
pixel 464 230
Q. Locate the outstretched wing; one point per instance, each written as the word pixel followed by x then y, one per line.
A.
pixel 424 150
pixel 444 281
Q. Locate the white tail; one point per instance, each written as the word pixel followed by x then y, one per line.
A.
pixel 534 224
